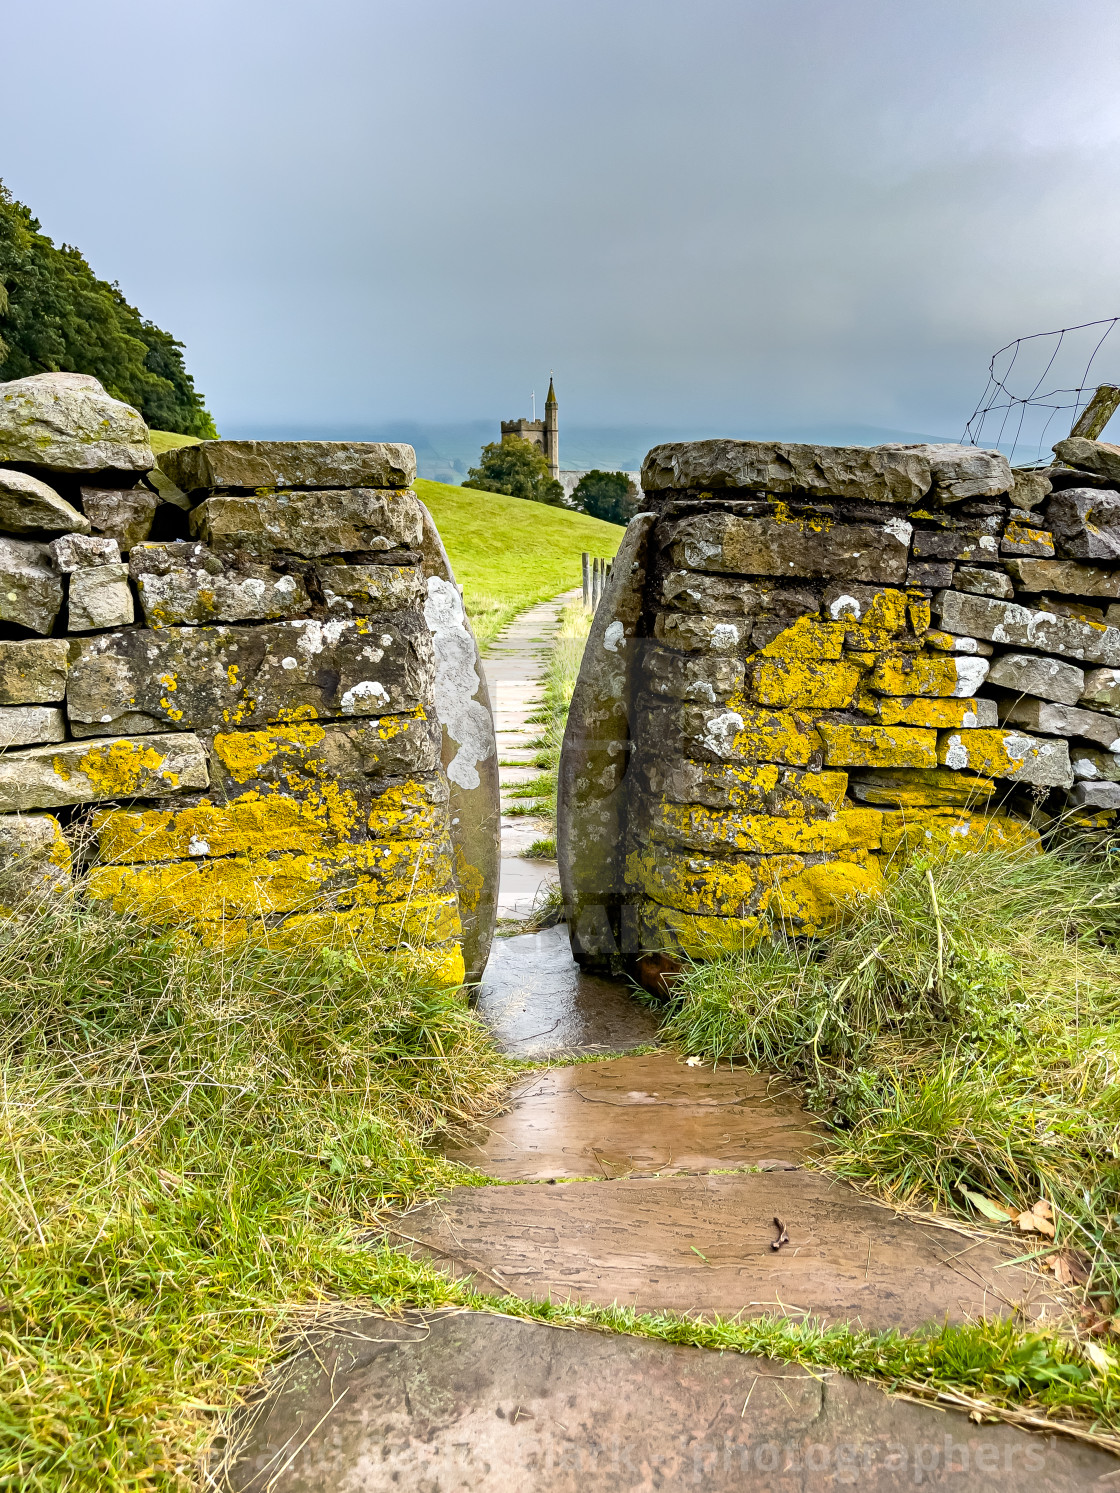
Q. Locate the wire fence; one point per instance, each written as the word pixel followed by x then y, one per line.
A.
pixel 1035 382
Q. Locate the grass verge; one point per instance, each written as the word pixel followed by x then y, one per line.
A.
pixel 195 1147
pixel 962 1036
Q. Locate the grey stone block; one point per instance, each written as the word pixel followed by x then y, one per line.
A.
pixel 309 524
pixel 1063 720
pixel 1029 487
pixel 1099 457
pixel 184 583
pixel 366 590
pixel 1085 522
pixel 234 677
pixel 99 598
pixel 931 575
pixel 1039 761
pixel 1101 691
pixel 1066 577
pixel 704 677
pixel 722 542
pixel 80 551
pixel 692 631
pixel 1095 795
pixel 124 514
pixel 33 670
pixel 34 858
pixel 1024 540
pixel 964 545
pixel 131 723
pixel 947 642
pixel 726 596
pixel 253 464
pixel 1048 678
pixel 979 582
pixel 1021 627
pixel 78 772
pixel 66 422
pixel 30 588
pixel 30 725
pixel 28 506
pixel 1090 765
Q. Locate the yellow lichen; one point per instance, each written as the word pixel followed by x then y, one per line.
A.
pixel 877 746
pixel 760 834
pixel 120 768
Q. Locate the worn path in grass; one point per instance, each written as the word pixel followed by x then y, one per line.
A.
pixel 689 1169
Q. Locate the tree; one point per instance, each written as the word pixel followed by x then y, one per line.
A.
pixel 605 495
pixel 517 468
pixel 56 315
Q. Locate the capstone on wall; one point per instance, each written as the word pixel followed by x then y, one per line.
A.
pixel 237 692
pixel 810 660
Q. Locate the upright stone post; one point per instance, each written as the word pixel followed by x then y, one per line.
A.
pixel 587 580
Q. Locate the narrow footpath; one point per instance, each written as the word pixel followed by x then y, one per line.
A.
pixel 673 1177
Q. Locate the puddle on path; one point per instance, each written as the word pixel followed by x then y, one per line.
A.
pixel 486 1404
pixel 647 1113
pixel 703 1244
pixel 539 1003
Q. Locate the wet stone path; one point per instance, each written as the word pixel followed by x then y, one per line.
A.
pixel 670 1178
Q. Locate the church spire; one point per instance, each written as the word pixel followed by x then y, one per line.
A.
pixel 552 430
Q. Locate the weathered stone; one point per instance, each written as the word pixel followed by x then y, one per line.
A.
pixel 310 524
pixel 1021 540
pixel 1063 720
pixel 938 787
pixel 247 676
pixel 931 575
pixel 967 544
pixel 693 630
pixel 1093 456
pixel 253 464
pixel 757 788
pixel 907 832
pixel 66 422
pixel 1095 795
pixel 721 596
pixel 100 597
pixel 1028 674
pixel 1065 577
pixel 591 793
pixel 719 733
pixel 1101 691
pixel 34 859
pixel 705 677
pixel 939 712
pixel 30 725
pixel 947 642
pixel 77 772
pixel 1094 766
pixel 1019 626
pixel 309 759
pixel 468 744
pixel 696 828
pixel 792 547
pixel 805 683
pixel 80 551
pixel 28 506
pixel 954 675
pixel 710 886
pixel 1029 487
pixel 877 746
pixel 886 474
pixel 980 582
pixel 366 590
pixel 123 514
pixel 131 723
pixel 184 582
pixel 1085 523
pixel 1007 754
pixel 871 606
pixel 30 589
pixel 33 670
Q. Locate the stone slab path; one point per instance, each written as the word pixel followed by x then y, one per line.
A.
pixel 514 667
pixel 478 1403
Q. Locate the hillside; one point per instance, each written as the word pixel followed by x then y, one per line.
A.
pixel 507 553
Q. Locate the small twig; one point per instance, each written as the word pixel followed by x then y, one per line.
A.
pixel 940 931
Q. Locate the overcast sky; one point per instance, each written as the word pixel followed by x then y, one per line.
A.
pixel 721 212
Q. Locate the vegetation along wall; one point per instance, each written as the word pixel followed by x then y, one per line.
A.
pixel 240 693
pixel 810 660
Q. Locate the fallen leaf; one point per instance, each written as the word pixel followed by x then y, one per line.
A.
pixel 694 1062
pixel 990 1210
pixel 1037 1220
pixel 1103 1362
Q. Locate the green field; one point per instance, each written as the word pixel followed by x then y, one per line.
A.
pixel 507 553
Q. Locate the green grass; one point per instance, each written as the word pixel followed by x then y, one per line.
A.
pixel 167 440
pixel 962 1033
pixel 193 1148
pixel 508 554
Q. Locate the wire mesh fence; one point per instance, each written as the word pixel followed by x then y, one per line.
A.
pixel 1040 386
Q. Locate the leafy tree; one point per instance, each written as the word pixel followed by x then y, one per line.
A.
pixel 56 315
pixel 605 495
pixel 518 468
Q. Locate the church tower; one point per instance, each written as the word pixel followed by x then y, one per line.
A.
pixel 552 431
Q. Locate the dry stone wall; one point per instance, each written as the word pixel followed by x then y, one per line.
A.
pixel 811 660
pixel 242 688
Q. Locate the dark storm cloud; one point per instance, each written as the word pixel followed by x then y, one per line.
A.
pixel 796 212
